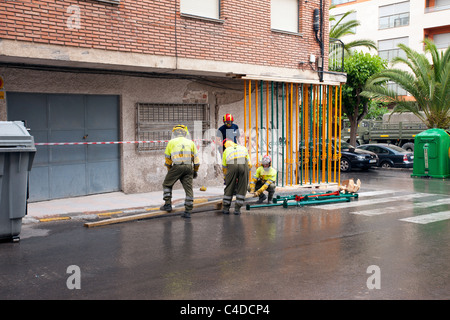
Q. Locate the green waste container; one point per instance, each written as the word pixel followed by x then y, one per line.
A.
pixel 432 154
pixel 17 151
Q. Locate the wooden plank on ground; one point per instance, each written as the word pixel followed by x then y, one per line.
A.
pixel 145 215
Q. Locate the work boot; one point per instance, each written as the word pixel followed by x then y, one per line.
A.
pixel 237 211
pixel 261 199
pixel 186 215
pixel 226 211
pixel 166 207
pixel 269 199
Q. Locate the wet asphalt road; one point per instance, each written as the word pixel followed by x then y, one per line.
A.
pixel 268 253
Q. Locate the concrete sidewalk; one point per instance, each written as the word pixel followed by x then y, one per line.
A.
pixel 109 204
pixel 120 204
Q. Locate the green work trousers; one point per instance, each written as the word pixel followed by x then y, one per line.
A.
pixel 236 178
pixel 184 173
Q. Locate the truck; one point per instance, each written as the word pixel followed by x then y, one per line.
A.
pixel 399 130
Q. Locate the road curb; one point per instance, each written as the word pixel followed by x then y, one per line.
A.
pixel 107 213
pixel 93 215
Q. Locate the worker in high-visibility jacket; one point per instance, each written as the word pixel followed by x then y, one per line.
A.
pixel 235 166
pixel 264 179
pixel 182 163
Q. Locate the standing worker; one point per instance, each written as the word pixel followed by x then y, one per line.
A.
pixel 235 165
pixel 182 164
pixel 228 131
pixel 264 179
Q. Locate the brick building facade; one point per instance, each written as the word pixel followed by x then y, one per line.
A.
pixel 146 52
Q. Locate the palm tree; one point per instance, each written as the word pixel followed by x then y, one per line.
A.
pixel 427 82
pixel 341 29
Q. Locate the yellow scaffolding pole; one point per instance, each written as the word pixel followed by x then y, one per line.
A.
pixel 337 163
pixel 296 133
pixel 310 112
pixel 306 128
pixel 245 113
pixel 256 123
pixel 323 134
pixel 340 129
pixel 329 129
pixel 267 117
pixel 250 118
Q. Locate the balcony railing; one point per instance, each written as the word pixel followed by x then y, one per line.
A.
pixel 336 55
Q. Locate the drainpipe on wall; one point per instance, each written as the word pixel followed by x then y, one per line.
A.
pixel 318 26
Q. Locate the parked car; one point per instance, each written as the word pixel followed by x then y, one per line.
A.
pixel 390 155
pixel 352 157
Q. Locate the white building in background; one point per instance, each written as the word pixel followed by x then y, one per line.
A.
pixel 390 22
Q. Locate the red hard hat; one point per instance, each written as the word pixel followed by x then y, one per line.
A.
pixel 266 159
pixel 228 117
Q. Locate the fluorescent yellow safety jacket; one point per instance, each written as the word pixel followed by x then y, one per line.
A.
pixel 266 176
pixel 181 151
pixel 235 155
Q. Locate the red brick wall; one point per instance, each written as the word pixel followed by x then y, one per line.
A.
pixel 148 26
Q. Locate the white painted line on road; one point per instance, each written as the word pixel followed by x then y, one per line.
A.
pixel 375 193
pixel 357 203
pixel 403 207
pixel 428 218
pixel 432 203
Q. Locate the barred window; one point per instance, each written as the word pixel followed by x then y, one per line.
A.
pixel 156 120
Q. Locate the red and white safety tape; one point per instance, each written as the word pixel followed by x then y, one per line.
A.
pixel 104 142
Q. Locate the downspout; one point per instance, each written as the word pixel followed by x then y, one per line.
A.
pixel 318 25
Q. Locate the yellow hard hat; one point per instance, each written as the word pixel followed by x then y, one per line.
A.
pixel 228 143
pixel 181 128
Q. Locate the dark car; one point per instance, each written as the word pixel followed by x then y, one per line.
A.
pixel 356 158
pixel 353 158
pixel 390 155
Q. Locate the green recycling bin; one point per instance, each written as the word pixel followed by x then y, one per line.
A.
pixel 17 152
pixel 432 154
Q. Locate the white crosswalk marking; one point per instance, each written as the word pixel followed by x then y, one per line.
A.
pixel 403 207
pixel 375 193
pixel 357 203
pixel 400 205
pixel 428 218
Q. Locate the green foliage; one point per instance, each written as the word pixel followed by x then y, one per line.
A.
pixel 427 81
pixel 359 67
pixel 377 110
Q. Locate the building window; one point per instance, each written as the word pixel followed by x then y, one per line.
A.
pixel 336 2
pixel 201 8
pixel 284 15
pixel 394 15
pixel 155 122
pixel 397 89
pixel 388 49
pixel 442 40
pixel 110 1
pixel 437 5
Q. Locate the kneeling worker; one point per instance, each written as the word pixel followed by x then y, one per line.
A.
pixel 263 180
pixel 182 164
pixel 235 166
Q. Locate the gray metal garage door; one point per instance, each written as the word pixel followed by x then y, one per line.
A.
pixel 72 170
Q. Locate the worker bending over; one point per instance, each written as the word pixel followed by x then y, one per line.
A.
pixel 264 179
pixel 182 164
pixel 235 166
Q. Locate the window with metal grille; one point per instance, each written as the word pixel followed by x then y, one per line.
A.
pixel 156 120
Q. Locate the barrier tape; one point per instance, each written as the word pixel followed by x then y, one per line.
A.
pixel 104 142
